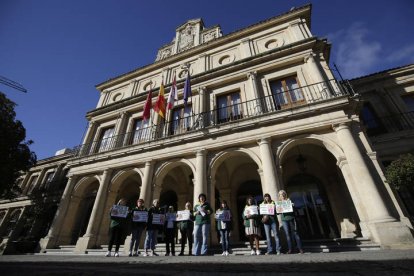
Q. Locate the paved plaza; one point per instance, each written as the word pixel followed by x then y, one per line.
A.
pixel 378 262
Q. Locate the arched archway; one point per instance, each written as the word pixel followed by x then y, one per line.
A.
pixel 312 177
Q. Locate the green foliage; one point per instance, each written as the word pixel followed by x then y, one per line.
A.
pixel 400 173
pixel 15 154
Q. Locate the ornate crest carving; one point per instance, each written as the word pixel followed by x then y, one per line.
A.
pixel 186 38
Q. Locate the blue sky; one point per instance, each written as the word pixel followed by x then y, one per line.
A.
pixel 59 50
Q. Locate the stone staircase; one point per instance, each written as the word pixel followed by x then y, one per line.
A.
pixel 241 248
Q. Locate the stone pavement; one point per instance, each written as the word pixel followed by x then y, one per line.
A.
pixel 378 262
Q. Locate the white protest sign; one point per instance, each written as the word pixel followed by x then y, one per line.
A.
pixel 183 215
pixel 158 219
pixel 251 210
pixel 284 206
pixel 140 216
pixel 267 209
pixel 119 211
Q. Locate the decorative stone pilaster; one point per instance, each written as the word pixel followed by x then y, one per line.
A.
pixel 53 235
pixel 252 77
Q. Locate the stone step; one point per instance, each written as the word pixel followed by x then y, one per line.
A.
pixel 243 248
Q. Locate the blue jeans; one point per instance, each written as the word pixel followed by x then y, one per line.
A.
pixel 201 233
pixel 268 229
pixel 224 234
pixel 291 233
pixel 136 237
pixel 151 239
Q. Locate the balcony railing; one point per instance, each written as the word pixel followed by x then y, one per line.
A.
pixel 277 102
pixel 389 124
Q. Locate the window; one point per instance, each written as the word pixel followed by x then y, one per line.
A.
pixel 370 119
pixel 32 183
pixel 48 179
pixel 229 107
pixel 286 93
pixel 106 140
pixel 141 131
pixel 181 120
pixel 409 102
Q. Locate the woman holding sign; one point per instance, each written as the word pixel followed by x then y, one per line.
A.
pixel 155 222
pixel 186 226
pixel 223 216
pixel 139 222
pixel 251 224
pixel 170 229
pixel 118 215
pixel 202 212
pixel 269 220
pixel 289 223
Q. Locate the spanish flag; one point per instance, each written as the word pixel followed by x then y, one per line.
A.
pixel 159 106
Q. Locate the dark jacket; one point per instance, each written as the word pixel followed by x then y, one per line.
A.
pixel 151 211
pixel 135 224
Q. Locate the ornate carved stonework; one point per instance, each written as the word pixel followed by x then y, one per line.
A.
pixel 209 36
pixel 186 38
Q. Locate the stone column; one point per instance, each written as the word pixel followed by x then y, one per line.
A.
pixel 203 107
pixel 257 108
pixel 88 141
pixel 120 130
pixel 366 187
pixel 146 183
pixel 200 185
pixel 245 48
pixel 53 235
pixel 89 238
pixel 268 166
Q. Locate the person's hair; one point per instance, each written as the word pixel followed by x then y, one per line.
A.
pixel 188 202
pixel 122 200
pixel 224 202
pixel 155 201
pixel 249 197
pixel 281 192
pixel 171 208
pixel 202 195
pixel 140 200
pixel 267 195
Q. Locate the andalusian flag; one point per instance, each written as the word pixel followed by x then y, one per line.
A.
pixel 159 106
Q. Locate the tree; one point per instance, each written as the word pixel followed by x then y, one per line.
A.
pixel 15 154
pixel 400 173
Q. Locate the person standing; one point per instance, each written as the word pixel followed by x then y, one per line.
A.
pixel 152 230
pixel 251 224
pixel 270 224
pixel 170 230
pixel 117 228
pixel 202 212
pixel 137 228
pixel 290 226
pixel 224 225
pixel 186 229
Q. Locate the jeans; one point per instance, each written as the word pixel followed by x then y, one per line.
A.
pixel 151 239
pixel 136 237
pixel 201 233
pixel 291 233
pixel 268 229
pixel 224 234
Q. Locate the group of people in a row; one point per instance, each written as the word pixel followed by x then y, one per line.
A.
pixel 196 226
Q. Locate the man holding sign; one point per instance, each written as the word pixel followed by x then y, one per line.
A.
pixel 269 220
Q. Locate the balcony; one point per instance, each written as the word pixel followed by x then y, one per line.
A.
pixel 389 124
pixel 277 102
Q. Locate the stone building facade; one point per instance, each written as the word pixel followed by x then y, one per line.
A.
pixel 266 113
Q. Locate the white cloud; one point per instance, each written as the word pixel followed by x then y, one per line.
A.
pixel 405 55
pixel 354 53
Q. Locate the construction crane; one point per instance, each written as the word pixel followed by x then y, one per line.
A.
pixel 12 84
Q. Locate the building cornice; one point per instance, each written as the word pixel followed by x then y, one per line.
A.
pixel 301 12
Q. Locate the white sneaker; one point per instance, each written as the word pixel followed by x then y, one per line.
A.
pixel 108 254
pixel 258 252
pixel 226 253
pixel 116 254
pixel 253 252
pixel 145 254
